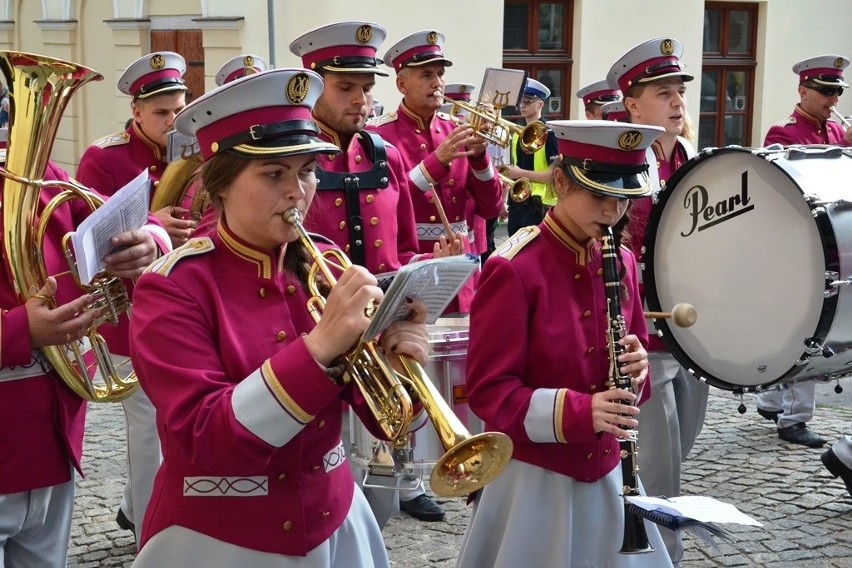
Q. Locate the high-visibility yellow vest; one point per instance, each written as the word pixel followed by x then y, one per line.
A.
pixel 539 165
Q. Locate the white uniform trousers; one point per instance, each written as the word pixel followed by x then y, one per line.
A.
pixel 669 424
pixel 796 404
pixel 143 454
pixel 35 526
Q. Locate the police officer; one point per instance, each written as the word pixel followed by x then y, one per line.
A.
pixel 653 80
pixel 155 84
pixel 820 86
pixel 536 166
pixel 594 96
pixel 447 164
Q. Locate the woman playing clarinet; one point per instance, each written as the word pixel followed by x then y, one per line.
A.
pixel 544 380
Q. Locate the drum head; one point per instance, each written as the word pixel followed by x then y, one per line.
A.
pixel 733 235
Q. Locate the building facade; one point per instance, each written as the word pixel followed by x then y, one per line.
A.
pixel 740 52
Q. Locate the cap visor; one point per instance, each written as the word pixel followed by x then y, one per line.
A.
pixel 444 60
pixel 685 76
pixel 837 83
pixel 284 146
pixel 163 89
pixel 373 70
pixel 623 186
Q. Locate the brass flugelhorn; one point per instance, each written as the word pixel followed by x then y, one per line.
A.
pixel 41 88
pixel 842 119
pixel 469 462
pixel 519 189
pixel 489 125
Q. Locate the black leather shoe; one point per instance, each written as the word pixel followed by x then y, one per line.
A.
pixel 769 414
pixel 123 522
pixel 799 433
pixel 423 508
pixel 837 468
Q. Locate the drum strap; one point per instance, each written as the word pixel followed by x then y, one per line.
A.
pixel 351 183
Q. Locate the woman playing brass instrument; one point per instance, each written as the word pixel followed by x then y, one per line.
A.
pixel 543 379
pixel 245 383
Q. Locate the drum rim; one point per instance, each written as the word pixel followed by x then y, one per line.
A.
pixel 828 240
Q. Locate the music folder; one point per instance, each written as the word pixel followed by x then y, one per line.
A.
pixel 434 281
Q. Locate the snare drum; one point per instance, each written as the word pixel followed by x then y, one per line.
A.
pixel 448 340
pixel 760 243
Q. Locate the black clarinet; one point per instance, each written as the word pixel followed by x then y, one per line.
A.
pixel 635 539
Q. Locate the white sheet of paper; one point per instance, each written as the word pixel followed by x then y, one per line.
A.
pixel 698 507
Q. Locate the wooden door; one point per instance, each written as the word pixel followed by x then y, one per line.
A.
pixel 188 43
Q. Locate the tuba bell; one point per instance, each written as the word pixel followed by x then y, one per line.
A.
pixel 40 88
pixel 178 178
pixel 470 462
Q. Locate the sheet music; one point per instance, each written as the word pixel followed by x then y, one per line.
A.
pixel 435 282
pixel 698 507
pixel 125 211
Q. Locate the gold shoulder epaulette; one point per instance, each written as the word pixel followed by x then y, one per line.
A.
pixel 382 119
pixel 516 242
pixel 114 139
pixel 192 247
pixel 789 120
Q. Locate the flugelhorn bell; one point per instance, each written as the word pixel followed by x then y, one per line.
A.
pixel 469 462
pixel 519 189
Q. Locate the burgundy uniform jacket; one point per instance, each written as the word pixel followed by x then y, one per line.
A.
pixel 390 237
pixel 538 349
pixel 249 422
pixel 803 128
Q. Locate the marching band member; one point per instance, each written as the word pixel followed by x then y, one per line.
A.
pixel 244 381
pixel 444 161
pixel 820 86
pixel 155 85
pixel 362 202
pixel 42 420
pixel 239 66
pixel 535 167
pixel 551 397
pixel 596 95
pixel 652 79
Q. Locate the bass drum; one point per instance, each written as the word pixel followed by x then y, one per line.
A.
pixel 759 242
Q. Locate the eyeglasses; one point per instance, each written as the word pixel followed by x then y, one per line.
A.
pixel 828 91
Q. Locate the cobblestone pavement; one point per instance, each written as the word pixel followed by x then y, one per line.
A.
pixel 807 514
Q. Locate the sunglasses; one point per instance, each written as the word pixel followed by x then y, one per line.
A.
pixel 828 91
pixel 528 101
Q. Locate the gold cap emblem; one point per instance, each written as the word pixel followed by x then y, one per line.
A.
pixel 462 88
pixel 364 34
pixel 432 38
pixel 248 61
pixel 838 63
pixel 667 47
pixel 158 61
pixel 297 88
pixel 629 140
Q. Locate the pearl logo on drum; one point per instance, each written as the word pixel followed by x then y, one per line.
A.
pixel 705 214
